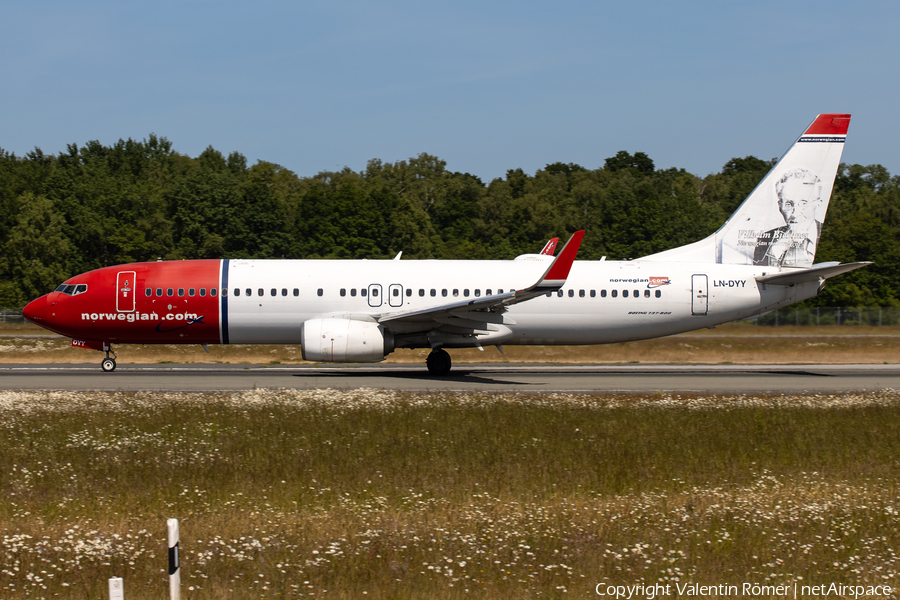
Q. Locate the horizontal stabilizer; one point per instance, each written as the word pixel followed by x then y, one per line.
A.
pixel 814 273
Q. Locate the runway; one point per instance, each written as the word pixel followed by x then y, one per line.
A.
pixel 630 378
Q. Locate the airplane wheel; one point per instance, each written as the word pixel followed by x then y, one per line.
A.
pixel 439 362
pixel 108 365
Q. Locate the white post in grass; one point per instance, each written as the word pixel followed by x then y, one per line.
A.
pixel 116 589
pixel 174 564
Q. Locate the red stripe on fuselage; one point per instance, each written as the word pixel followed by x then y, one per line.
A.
pixel 98 314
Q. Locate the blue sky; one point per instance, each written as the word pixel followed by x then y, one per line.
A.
pixel 485 86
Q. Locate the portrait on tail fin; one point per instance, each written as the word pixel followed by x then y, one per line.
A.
pixel 799 194
pixel 780 222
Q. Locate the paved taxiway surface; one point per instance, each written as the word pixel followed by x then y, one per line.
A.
pixel 468 378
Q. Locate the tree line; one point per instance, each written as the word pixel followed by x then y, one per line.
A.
pixel 96 205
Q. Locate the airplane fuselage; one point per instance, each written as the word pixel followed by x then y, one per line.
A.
pixel 267 301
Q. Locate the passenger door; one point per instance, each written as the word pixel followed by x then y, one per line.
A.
pixel 125 291
pixel 395 295
pixel 375 295
pixel 700 295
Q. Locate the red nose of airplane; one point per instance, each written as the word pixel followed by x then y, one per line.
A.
pixel 36 311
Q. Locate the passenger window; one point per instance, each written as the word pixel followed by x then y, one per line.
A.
pixel 466 292
pixel 444 292
pixel 362 292
pixel 353 292
pixel 203 292
pixel 170 292
pixel 180 292
pixel 658 294
pixel 559 293
pixel 248 292
pixel 259 291
pixel 646 293
pixel 433 292
pixel 191 292
pixel 296 292
pixel 212 292
pixel 273 292
pixel 624 293
pixel 148 292
pixel 477 293
pixel 374 292
pixel 549 294
pixel 320 291
pixel 603 293
pixel 284 291
pixel 500 291
pixel 343 292
pixel 615 293
pixel 408 292
pixel 237 291
pixel 571 293
pixel 455 293
pixel 487 292
pixel 593 293
pixel 422 293
pixel 637 293
pixel 396 292
pixel 581 293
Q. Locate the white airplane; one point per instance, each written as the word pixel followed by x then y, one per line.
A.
pixel 361 310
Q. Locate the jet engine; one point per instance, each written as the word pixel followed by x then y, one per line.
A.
pixel 333 339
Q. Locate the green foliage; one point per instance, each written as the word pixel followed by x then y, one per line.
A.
pixel 640 162
pixel 29 265
pixel 724 192
pixel 95 205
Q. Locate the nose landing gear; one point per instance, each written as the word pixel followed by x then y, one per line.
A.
pixel 108 364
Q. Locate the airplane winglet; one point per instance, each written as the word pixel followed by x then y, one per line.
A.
pixel 558 271
pixel 550 247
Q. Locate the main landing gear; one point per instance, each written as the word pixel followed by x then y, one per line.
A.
pixel 438 362
pixel 109 364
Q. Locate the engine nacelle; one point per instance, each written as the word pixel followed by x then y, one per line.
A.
pixel 333 339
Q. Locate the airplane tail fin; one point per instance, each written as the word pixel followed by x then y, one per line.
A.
pixel 780 222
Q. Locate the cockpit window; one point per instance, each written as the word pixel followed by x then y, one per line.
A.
pixel 70 289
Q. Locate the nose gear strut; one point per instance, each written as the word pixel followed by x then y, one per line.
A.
pixel 108 364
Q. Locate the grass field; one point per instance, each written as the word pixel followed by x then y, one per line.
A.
pixel 388 495
pixel 739 343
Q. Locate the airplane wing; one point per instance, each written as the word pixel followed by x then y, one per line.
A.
pixel 814 273
pixel 480 313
